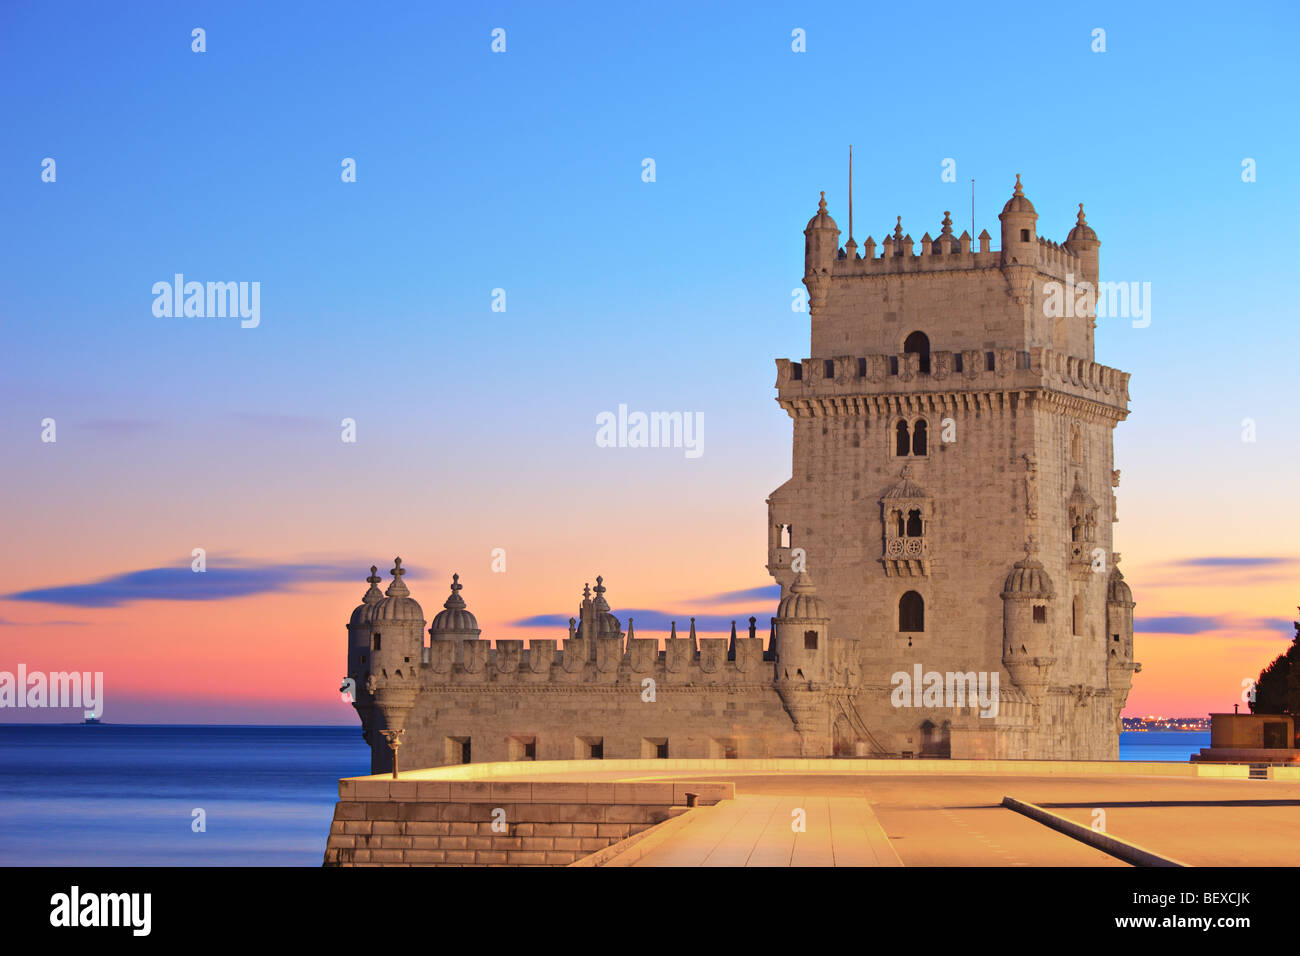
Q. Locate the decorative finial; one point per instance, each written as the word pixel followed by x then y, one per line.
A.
pixel 1082 221
pixel 947 223
pixel 898 230
pixel 455 602
pixel 753 622
pixel 398 587
pixel 374 595
pixel 821 206
pixel 630 632
pixel 586 592
pixel 600 584
pixel 1019 191
pixel 674 631
pixel 1031 547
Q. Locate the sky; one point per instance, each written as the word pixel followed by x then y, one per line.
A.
pixel 522 171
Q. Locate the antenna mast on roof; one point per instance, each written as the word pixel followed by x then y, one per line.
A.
pixel 850 192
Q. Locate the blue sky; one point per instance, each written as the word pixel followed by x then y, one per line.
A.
pixel 522 171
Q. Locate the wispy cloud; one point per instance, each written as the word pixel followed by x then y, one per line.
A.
pixel 769 593
pixel 1178 624
pixel 1235 561
pixel 5 622
pixel 1201 624
pixel 178 583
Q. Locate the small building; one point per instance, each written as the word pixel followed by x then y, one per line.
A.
pixel 1250 738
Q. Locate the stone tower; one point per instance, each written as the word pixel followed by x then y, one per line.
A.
pixel 951 487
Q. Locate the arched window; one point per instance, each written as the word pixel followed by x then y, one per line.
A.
pixel 914 523
pixel 1076 444
pixel 902 440
pixel 919 343
pixel 898 519
pixel 374 644
pixel 911 612
pixel 918 438
pixel 1076 624
pixel 785 535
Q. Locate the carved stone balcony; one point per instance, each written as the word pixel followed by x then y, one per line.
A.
pixel 906 556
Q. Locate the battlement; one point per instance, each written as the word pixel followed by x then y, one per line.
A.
pixel 612 661
pixel 1001 369
pixel 947 253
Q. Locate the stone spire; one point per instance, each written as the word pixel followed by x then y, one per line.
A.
pixel 398 588
pixel 600 604
pixel 455 602
pixel 374 595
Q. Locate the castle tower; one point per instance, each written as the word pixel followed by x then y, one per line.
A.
pixel 802 668
pixel 948 413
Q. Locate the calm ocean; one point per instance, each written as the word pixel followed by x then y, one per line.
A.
pixel 125 795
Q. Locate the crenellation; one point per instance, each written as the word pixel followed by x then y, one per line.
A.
pixel 1013 370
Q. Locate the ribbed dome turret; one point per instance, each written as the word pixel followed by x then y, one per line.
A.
pixel 607 625
pixel 1018 202
pixel 801 602
pixel 1081 229
pixel 455 616
pixel 1117 590
pixel 823 219
pixel 398 606
pixel 365 611
pixel 1028 579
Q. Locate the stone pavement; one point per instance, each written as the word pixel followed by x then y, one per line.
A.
pixel 757 830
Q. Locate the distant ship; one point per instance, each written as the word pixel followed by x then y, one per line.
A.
pixel 91 722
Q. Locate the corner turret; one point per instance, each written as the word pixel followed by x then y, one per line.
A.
pixel 1019 229
pixel 359 640
pixel 396 642
pixel 1083 242
pixel 821 246
pixel 1027 621
pixel 802 663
